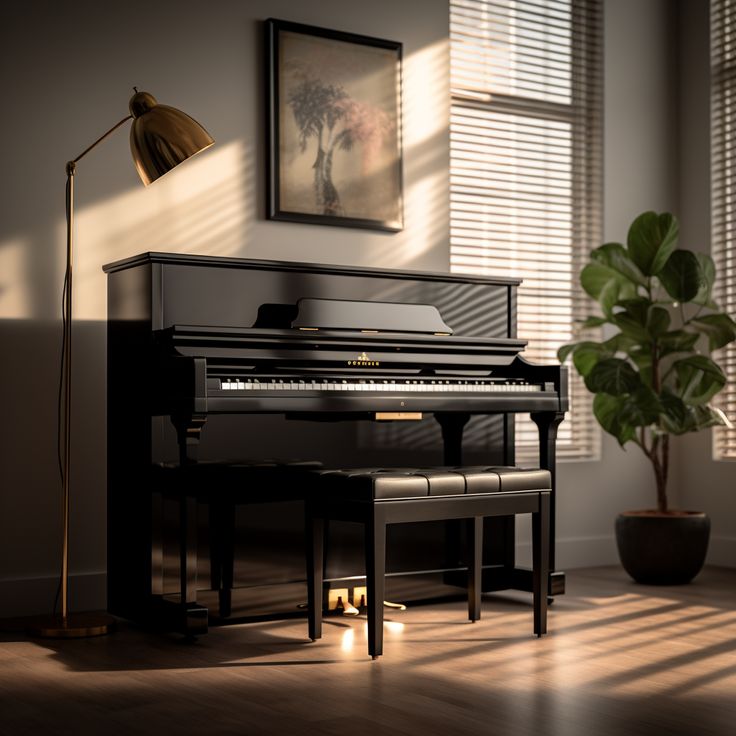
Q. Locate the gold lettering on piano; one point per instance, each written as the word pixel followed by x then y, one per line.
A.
pixel 363 360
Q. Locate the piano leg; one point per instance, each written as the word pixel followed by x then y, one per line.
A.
pixel 315 528
pixel 193 618
pixel 188 431
pixel 547 422
pixel 475 566
pixel 452 426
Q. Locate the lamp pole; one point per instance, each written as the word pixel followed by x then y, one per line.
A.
pixel 162 137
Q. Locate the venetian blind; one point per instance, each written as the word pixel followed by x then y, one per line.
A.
pixel 525 178
pixel 723 192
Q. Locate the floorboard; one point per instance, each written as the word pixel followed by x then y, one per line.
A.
pixel 620 659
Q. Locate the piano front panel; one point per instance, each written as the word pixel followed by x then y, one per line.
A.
pixel 207 295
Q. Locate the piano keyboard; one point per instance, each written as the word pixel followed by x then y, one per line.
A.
pixel 383 386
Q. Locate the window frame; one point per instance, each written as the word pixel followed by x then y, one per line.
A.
pixel 584 115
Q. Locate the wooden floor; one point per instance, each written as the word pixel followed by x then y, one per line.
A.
pixel 620 659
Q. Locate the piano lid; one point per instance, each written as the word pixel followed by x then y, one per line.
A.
pixel 366 316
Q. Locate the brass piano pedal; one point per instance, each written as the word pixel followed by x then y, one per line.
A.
pixel 348 609
pixel 360 598
pixel 338 601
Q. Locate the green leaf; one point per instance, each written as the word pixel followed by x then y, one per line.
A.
pixel 608 411
pixel 612 376
pixel 679 418
pixel 589 322
pixel 676 417
pixel 677 341
pixel 708 270
pixel 565 350
pixel 705 416
pixel 605 285
pixel 631 327
pixel 587 355
pixel 682 276
pixel 651 240
pixel 658 322
pixel 641 408
pixel 641 319
pixel 609 296
pixel 720 328
pixel 595 277
pixel 637 308
pixel 641 355
pixel 619 343
pixel 698 379
pixel 615 256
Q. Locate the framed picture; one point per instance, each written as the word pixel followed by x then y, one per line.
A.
pixel 334 127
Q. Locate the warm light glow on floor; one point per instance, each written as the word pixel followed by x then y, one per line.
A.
pixel 348 639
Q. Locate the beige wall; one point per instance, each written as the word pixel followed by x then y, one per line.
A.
pixel 640 173
pixel 67 70
pixel 704 484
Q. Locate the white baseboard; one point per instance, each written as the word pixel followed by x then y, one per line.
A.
pixel 596 551
pixel 32 596
pixel 722 551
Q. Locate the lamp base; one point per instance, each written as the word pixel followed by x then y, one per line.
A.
pixel 73 626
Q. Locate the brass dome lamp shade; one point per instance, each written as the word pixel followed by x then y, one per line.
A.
pixel 161 138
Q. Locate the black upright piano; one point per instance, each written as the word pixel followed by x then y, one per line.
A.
pixel 213 359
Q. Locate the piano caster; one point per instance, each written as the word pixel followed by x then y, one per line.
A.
pixel 374 657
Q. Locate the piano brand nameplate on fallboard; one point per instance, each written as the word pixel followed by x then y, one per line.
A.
pixel 216 356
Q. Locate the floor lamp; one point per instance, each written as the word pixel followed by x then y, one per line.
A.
pixel 161 137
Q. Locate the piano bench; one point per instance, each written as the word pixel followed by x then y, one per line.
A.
pixel 377 498
pixel 221 486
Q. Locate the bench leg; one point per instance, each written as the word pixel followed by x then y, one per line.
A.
pixel 315 556
pixel 540 562
pixel 222 551
pixel 475 565
pixel 375 573
pixel 187 549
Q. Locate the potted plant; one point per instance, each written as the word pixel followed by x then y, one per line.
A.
pixel 653 377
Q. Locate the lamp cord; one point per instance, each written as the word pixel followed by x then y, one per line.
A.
pixel 62 370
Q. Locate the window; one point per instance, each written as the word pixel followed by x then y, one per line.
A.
pixel 723 193
pixel 525 177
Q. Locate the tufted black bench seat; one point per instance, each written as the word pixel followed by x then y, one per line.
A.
pixel 379 497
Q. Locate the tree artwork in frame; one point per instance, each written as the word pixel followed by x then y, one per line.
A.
pixel 334 127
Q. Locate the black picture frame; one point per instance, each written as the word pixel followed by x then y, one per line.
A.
pixel 334 127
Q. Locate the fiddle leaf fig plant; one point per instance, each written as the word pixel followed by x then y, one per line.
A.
pixel 653 375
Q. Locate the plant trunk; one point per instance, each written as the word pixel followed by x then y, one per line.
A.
pixel 660 457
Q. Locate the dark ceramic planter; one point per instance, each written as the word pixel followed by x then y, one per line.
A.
pixel 662 549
